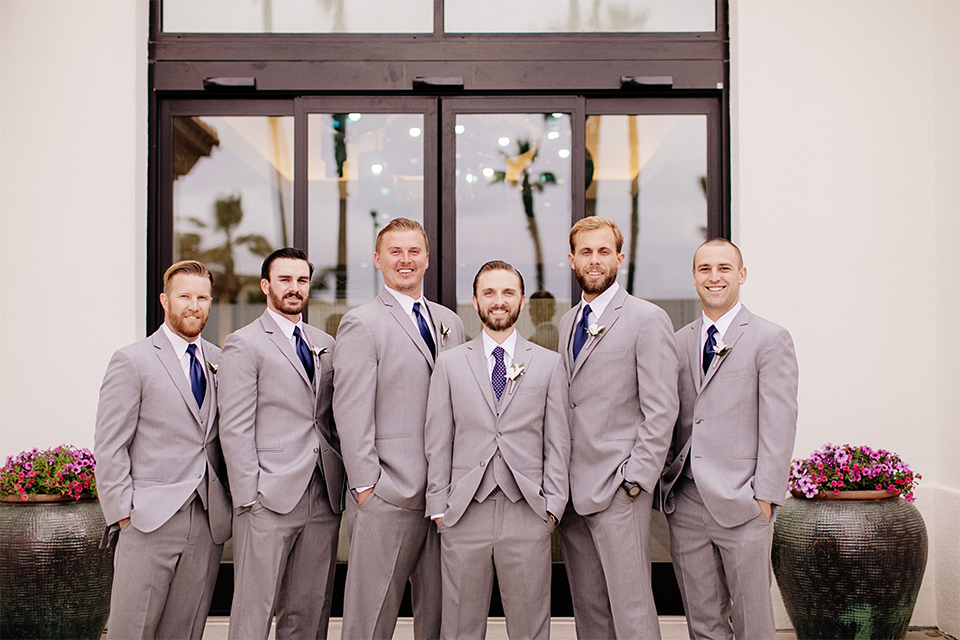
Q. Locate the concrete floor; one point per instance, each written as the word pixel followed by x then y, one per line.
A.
pixel 671 628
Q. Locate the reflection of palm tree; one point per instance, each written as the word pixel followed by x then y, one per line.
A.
pixel 518 173
pixel 340 156
pixel 227 284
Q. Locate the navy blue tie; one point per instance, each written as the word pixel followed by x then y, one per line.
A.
pixel 424 329
pixel 499 376
pixel 304 352
pixel 709 347
pixel 198 382
pixel 581 334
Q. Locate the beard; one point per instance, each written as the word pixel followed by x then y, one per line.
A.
pixel 290 304
pixel 190 330
pixel 501 323
pixel 598 286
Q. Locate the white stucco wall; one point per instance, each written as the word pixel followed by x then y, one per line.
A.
pixel 846 186
pixel 73 151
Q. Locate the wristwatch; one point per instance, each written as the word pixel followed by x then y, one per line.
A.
pixel 632 488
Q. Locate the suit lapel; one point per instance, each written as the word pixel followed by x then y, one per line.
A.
pixel 609 318
pixel 276 336
pixel 729 339
pixel 171 363
pixel 478 365
pixel 406 324
pixel 432 307
pixel 210 399
pixel 523 354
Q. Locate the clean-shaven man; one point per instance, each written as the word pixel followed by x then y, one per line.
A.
pixel 498 448
pixel 282 453
pixel 731 453
pixel 621 362
pixel 386 350
pixel 160 474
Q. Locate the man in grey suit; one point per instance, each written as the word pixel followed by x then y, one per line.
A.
pixel 160 474
pixel 385 356
pixel 731 452
pixel 498 448
pixel 622 366
pixel 282 452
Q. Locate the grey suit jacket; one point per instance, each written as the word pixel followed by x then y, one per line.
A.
pixel 382 373
pixel 741 420
pixel 275 425
pixel 623 400
pixel 465 428
pixel 153 444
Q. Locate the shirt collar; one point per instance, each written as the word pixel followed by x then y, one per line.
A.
pixel 722 324
pixel 599 304
pixel 179 344
pixel 406 301
pixel 509 345
pixel 286 326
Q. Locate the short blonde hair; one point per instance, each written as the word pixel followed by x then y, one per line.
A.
pixel 402 224
pixel 187 268
pixel 592 223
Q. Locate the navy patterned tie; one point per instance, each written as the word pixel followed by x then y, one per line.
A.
pixel 198 382
pixel 709 347
pixel 499 376
pixel 581 334
pixel 424 329
pixel 304 352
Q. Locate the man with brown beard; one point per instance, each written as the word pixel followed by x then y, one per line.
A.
pixel 497 447
pixel 621 364
pixel 283 459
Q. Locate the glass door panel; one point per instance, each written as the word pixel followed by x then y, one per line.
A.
pixel 649 176
pixel 512 177
pixel 232 205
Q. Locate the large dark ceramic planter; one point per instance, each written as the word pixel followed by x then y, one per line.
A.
pixel 54 578
pixel 849 568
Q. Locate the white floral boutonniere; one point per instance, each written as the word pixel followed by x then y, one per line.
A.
pixel 444 332
pixel 595 329
pixel 721 349
pixel 318 352
pixel 213 367
pixel 514 373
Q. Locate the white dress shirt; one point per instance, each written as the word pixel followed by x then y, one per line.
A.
pixel 598 306
pixel 406 302
pixel 286 327
pixel 722 324
pixel 509 346
pixel 180 348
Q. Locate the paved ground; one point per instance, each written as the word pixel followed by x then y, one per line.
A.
pixel 672 628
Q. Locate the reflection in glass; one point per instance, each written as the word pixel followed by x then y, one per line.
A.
pixel 232 206
pixel 513 203
pixel 572 16
pixel 649 176
pixel 364 169
pixel 298 16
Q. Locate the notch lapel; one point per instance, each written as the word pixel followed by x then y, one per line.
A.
pixel 733 334
pixel 171 363
pixel 609 318
pixel 407 324
pixel 522 355
pixel 276 336
pixel 478 365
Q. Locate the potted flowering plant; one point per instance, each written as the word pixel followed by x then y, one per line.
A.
pixel 54 577
pixel 846 543
pixel 839 468
pixel 63 471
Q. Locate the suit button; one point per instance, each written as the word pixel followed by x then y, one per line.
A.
pixel 499 456
pixel 698 421
pixel 199 475
pixel 573 405
pixel 316 450
pixel 483 462
pixel 499 435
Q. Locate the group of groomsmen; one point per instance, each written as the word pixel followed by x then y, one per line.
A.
pixel 453 461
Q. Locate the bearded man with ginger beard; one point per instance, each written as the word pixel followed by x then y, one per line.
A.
pixel 283 458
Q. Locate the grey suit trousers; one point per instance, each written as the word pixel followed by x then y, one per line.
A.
pixel 163 580
pixel 724 573
pixel 511 538
pixel 608 554
pixel 388 546
pixel 285 561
